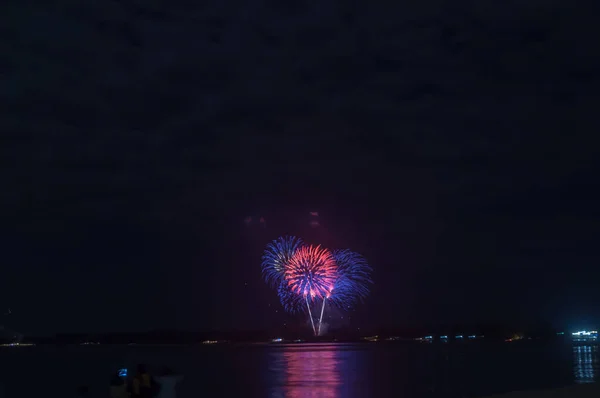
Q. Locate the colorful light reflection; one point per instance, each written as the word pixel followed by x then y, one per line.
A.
pixel 311 372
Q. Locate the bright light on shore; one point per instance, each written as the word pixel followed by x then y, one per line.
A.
pixel 585 333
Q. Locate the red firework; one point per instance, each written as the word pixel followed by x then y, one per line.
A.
pixel 311 272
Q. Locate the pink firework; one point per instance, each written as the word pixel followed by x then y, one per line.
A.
pixel 311 272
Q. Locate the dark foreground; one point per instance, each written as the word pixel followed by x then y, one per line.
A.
pixel 308 370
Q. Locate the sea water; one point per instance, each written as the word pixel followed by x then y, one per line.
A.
pixel 306 370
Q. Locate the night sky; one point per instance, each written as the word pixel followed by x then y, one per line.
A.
pixel 454 144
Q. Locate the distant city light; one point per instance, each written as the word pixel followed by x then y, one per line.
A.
pixel 585 333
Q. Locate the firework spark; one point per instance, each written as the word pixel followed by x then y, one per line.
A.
pixel 276 256
pixel 290 301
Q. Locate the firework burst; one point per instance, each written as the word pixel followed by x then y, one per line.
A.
pixel 306 276
pixel 311 272
pixel 354 278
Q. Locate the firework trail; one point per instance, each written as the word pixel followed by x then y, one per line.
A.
pixel 312 320
pixel 321 317
pixel 276 256
pixel 293 302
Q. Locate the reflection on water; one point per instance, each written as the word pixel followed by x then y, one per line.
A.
pixel 308 371
pixel 424 371
pixel 585 362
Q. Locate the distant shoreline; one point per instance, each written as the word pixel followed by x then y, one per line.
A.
pixel 278 342
pixel 262 337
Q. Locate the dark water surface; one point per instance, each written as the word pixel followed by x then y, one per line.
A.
pixel 307 370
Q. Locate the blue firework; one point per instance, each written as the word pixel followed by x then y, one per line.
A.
pixel 290 301
pixel 353 281
pixel 276 256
